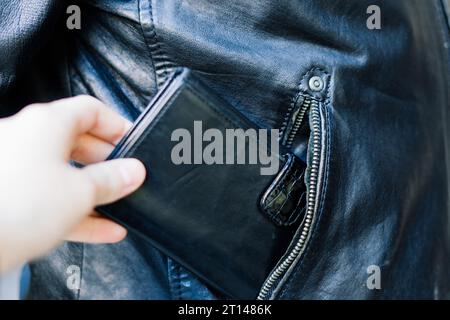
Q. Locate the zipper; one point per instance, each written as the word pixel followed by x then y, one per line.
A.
pixel 276 275
pixel 295 121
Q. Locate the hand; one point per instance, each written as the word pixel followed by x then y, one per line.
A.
pixel 43 199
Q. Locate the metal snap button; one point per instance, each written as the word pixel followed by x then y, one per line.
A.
pixel 316 83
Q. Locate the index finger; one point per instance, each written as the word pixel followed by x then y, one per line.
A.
pixel 86 114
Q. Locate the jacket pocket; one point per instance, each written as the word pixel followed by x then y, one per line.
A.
pixel 304 132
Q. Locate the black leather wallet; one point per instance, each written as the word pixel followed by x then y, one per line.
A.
pixel 227 223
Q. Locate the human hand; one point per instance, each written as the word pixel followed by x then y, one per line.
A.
pixel 43 199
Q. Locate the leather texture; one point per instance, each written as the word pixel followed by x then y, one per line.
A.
pixel 184 210
pixel 383 121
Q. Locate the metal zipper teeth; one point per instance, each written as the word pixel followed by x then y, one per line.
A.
pixel 298 122
pixel 281 269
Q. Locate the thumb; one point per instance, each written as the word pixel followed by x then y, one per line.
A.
pixel 115 179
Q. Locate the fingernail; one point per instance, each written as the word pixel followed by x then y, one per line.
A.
pixel 118 233
pixel 132 172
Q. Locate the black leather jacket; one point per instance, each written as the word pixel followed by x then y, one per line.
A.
pixel 379 141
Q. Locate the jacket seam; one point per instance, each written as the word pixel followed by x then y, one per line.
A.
pixel 141 27
pixel 158 56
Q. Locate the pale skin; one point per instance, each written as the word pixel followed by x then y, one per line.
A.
pixel 43 199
